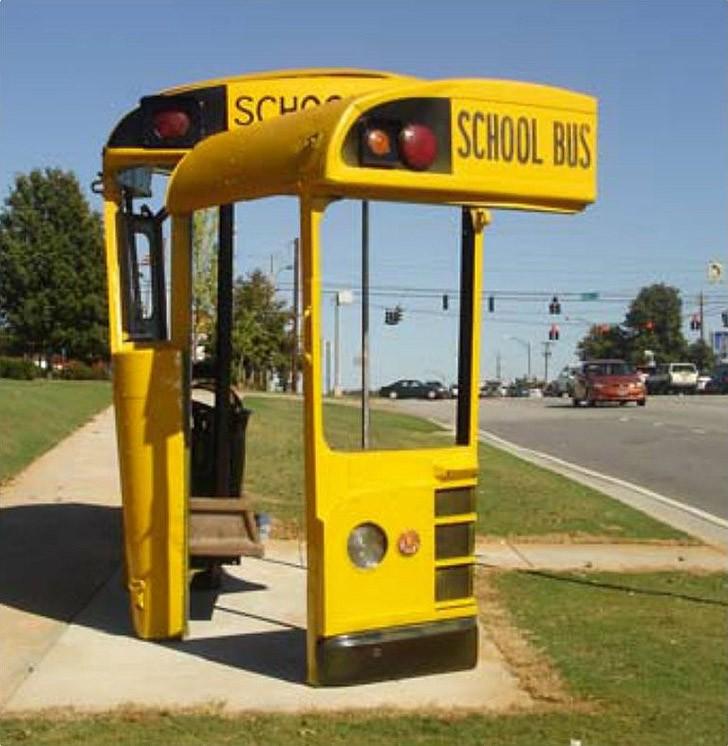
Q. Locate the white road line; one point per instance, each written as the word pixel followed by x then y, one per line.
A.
pixel 714 519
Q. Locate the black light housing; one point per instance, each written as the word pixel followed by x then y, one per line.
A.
pixel 171 121
pixel 407 134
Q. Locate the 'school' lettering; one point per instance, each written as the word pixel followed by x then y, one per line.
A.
pixel 502 138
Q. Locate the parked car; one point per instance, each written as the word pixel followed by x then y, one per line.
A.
pixel 607 381
pixel 552 388
pixel 410 388
pixel 718 383
pixel 443 392
pixel 518 389
pixel 673 378
pixel 565 381
pixel 703 381
pixel 490 389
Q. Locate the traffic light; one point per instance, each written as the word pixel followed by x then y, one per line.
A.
pixel 555 306
pixel 392 316
pixel 445 302
pixel 554 333
pixel 695 324
pixel 724 318
pixel 491 303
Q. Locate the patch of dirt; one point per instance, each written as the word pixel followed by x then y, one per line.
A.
pixel 532 667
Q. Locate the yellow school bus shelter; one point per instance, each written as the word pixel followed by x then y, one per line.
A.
pixel 390 534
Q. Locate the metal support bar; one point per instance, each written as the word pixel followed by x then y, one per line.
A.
pixel 294 346
pixel 224 349
pixel 465 346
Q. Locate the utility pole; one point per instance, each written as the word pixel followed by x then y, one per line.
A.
pixel 498 365
pixel 701 305
pixel 327 348
pixel 294 346
pixel 365 325
pixel 337 347
pixel 546 355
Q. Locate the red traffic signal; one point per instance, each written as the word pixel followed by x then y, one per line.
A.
pixel 554 333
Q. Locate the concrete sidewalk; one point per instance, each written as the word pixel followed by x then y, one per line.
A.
pixel 600 557
pixel 67 639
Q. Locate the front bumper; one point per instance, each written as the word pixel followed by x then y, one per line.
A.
pixel 618 394
pixel 397 652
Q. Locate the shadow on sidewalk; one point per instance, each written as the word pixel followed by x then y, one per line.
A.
pixel 278 654
pixel 54 557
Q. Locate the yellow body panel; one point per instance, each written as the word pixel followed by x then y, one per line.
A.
pixel 149 418
pixel 148 383
pixel 395 489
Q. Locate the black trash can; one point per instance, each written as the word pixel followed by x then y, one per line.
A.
pixel 203 472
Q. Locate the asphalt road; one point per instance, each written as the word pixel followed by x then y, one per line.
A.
pixel 676 445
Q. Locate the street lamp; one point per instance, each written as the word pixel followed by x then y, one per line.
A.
pixel 527 345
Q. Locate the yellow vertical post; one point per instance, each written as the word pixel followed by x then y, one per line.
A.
pixel 311 216
pixel 113 285
pixel 481 219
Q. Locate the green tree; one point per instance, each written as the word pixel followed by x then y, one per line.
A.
pixel 261 337
pixel 701 353
pixel 655 318
pixel 603 341
pixel 652 323
pixel 204 276
pixel 52 276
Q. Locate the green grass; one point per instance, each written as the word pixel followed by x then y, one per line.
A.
pixel 650 649
pixel 647 653
pixel 515 498
pixel 35 415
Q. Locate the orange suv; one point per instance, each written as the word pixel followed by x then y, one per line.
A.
pixel 608 381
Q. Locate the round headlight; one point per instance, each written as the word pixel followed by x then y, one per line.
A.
pixel 367 545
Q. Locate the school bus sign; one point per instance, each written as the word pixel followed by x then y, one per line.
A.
pixel 520 148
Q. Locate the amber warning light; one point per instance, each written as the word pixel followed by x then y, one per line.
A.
pixel 392 145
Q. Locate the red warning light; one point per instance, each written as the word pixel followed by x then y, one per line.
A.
pixel 418 146
pixel 171 124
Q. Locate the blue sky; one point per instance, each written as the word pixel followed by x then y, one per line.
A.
pixel 69 70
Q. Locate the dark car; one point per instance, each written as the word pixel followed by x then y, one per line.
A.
pixel 409 388
pixel 443 392
pixel 607 381
pixel 718 383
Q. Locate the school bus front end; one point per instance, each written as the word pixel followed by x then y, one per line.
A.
pixel 390 534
